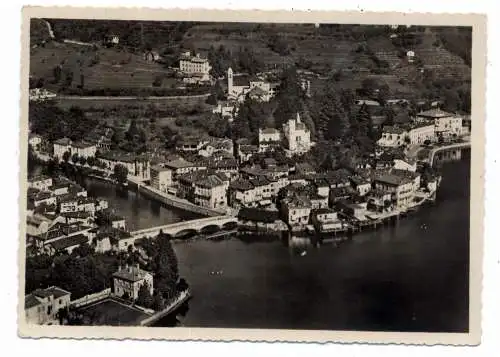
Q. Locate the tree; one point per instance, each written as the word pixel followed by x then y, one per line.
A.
pixel 120 173
pixel 290 97
pixel 56 71
pixel 91 160
pixel 212 99
pixel 66 156
pixel 82 160
pixel 75 158
pixel 332 121
pixel 133 130
pixel 144 297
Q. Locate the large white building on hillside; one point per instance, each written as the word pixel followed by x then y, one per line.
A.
pixel 195 66
pixel 297 135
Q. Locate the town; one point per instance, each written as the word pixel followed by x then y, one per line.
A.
pixel 265 152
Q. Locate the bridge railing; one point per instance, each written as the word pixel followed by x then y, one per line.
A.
pixel 194 222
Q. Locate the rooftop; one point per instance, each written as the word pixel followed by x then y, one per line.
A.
pixel 392 179
pixel 68 242
pixel 258 215
pixel 434 113
pixel 131 273
pixel 63 141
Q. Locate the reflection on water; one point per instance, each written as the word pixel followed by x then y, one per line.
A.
pixel 410 276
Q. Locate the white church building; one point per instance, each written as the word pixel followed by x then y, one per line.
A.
pixel 298 136
pixel 239 86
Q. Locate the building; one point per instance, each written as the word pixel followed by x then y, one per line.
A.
pixel 269 137
pixel 195 66
pixel 151 56
pixel 137 165
pixel 35 141
pixel 161 178
pixel 402 188
pixel 393 136
pixel 410 56
pixel 405 164
pixel 379 201
pixel 419 133
pixel 42 306
pixel 445 124
pixel 37 224
pixel 297 135
pixel 113 39
pixel 239 86
pixel 227 110
pixel 242 194
pixel 210 191
pixel 83 149
pixel 42 183
pixel 181 166
pixel 128 280
pixel 296 210
pixel 361 185
pixel 325 220
pixel 61 146
pixel 66 244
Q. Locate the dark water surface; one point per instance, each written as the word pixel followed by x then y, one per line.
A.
pixel 409 277
pixel 139 211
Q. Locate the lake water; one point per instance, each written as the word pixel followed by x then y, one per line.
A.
pixel 409 277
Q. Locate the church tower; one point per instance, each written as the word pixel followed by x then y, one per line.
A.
pixel 229 81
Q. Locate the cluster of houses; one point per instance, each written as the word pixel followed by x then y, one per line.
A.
pixel 40 95
pixel 61 217
pixel 50 306
pixel 428 126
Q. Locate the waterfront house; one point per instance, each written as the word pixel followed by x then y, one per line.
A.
pixel 353 210
pixel 402 188
pixel 421 132
pixel 128 280
pixel 341 193
pixel 241 194
pixel 42 306
pixel 83 149
pixel 41 182
pixel 161 177
pixel 258 219
pixel 445 124
pixel 61 146
pixel 210 190
pixel 137 165
pixel 296 210
pixel 379 201
pixel 325 220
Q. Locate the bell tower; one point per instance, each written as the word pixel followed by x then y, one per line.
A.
pixel 229 81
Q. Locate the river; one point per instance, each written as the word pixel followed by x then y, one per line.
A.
pixel 139 211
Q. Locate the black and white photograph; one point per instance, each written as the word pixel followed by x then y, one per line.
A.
pixel 251 176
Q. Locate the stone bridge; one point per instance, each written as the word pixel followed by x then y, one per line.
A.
pixel 207 225
pixel 434 151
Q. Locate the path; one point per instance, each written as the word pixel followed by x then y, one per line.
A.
pixel 77 97
pixel 49 28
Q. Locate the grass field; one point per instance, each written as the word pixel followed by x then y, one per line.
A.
pixel 112 313
pixel 101 68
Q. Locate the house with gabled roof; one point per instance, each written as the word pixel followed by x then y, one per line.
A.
pixel 42 306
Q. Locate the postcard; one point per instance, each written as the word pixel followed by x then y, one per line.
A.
pixel 251 175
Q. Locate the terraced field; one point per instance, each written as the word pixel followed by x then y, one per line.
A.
pixel 102 68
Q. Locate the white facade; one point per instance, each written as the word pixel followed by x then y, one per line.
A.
pixel 448 126
pixel 419 134
pixel 269 134
pixel 195 65
pixel 298 136
pixel 392 137
pixel 41 183
pixel 161 178
pixel 263 89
